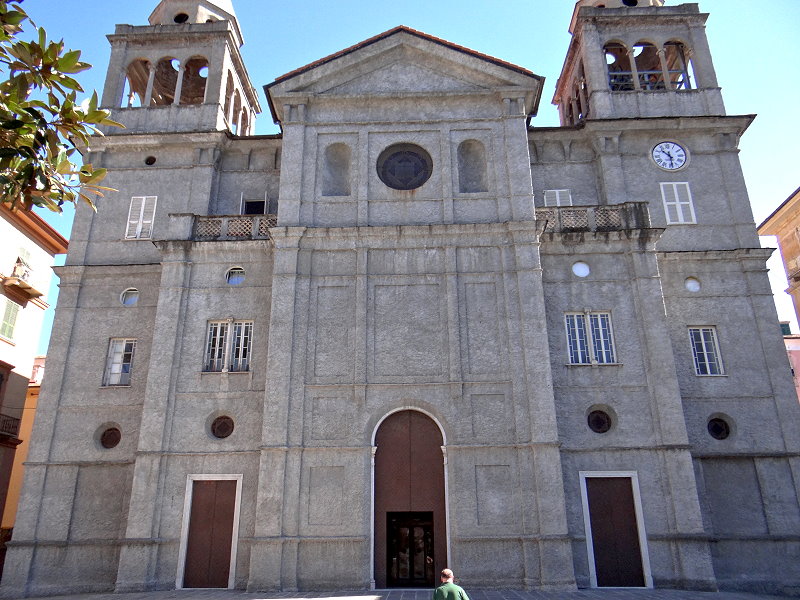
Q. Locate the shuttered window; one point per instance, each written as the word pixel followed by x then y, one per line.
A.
pixel 10 312
pixel 557 198
pixel 140 217
pixel 678 204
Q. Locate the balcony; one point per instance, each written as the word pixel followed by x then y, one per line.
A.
pixel 575 219
pixel 9 425
pixel 18 285
pixel 233 227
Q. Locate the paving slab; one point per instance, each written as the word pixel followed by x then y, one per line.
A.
pixel 593 594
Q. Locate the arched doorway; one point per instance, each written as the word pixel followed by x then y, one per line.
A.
pixel 409 515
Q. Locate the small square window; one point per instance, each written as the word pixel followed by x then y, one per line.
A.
pixel 589 338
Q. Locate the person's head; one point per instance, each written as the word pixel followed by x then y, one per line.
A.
pixel 447 575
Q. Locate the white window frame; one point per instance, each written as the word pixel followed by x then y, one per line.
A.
pixel 187 510
pixel 229 346
pixel 709 350
pixel 587 523
pixel 9 319
pixel 679 210
pixel 590 338
pixel 557 198
pixel 118 370
pixel 141 215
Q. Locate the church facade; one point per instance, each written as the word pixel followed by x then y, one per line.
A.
pixel 414 330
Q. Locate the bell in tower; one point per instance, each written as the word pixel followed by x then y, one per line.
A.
pixel 637 58
pixel 182 72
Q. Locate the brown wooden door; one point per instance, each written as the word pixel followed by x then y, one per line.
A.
pixel 208 546
pixel 409 480
pixel 615 534
pixel 410 549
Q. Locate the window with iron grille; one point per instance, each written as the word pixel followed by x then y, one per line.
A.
pixel 140 218
pixel 228 346
pixel 678 204
pixel 705 351
pixel 119 362
pixel 10 312
pixel 557 198
pixel 590 338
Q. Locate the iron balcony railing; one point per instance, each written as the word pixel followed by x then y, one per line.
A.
pixel 616 217
pixel 233 227
pixel 9 425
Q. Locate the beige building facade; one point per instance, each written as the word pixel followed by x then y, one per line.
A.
pixel 414 329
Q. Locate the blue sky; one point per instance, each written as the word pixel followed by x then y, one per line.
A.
pixel 751 43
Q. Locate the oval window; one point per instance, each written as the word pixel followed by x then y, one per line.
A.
pixel 235 276
pixel 129 297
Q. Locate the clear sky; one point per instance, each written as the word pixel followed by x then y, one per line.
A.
pixel 752 44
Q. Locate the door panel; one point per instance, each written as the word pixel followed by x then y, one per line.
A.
pixel 209 541
pixel 615 534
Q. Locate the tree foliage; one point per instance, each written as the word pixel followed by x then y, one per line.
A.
pixel 41 122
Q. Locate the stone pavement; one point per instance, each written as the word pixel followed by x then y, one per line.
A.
pixel 594 594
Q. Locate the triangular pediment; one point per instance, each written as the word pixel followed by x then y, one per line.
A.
pixel 403 78
pixel 404 62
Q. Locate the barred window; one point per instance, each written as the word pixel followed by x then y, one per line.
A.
pixel 119 362
pixel 590 338
pixel 228 346
pixel 705 351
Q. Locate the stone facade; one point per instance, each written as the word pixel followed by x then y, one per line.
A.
pixel 577 321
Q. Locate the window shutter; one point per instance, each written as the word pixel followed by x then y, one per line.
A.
pixel 134 217
pixel 557 198
pixel 9 319
pixel 148 215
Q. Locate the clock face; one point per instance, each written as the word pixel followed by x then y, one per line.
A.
pixel 669 156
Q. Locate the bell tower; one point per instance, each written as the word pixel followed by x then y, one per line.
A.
pixel 182 72
pixel 637 58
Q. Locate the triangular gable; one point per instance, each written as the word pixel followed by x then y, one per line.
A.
pixel 404 61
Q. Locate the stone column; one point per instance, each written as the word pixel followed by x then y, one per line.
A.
pixel 139 548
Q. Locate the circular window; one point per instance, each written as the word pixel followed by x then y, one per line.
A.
pixel 150 160
pixel 599 421
pixel 719 428
pixel 129 297
pixel 692 284
pixel 181 18
pixel 235 275
pixel 630 2
pixel 110 437
pixel 222 427
pixel 581 269
pixel 404 166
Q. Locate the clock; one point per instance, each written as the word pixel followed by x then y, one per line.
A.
pixel 669 156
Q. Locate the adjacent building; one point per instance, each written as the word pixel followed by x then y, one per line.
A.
pixel 27 250
pixel 413 329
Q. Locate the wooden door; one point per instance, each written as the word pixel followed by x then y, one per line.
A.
pixel 210 537
pixel 409 497
pixel 615 533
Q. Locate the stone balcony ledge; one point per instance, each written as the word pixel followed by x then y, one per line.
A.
pixel 613 217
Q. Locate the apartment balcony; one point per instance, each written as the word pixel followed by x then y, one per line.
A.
pixel 9 425
pixel 577 219
pixel 19 284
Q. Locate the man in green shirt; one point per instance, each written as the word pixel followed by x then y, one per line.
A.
pixel 449 590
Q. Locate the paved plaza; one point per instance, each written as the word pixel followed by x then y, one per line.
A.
pixel 594 594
